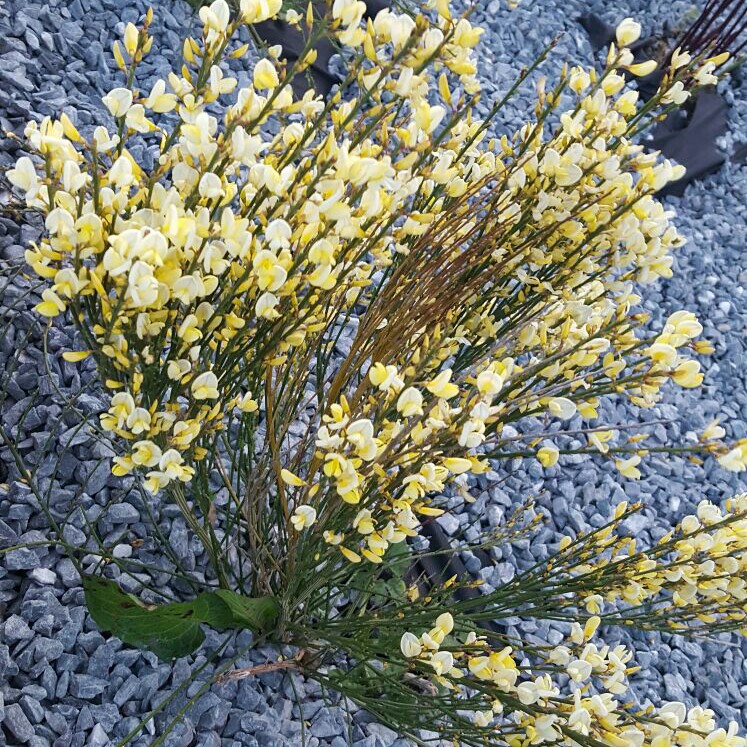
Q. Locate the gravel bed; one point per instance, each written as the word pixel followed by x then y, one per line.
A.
pixel 62 683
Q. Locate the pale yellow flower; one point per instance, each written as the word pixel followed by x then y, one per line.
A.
pixel 629 467
pixel 205 386
pixel 118 101
pixel 265 75
pixel 410 646
pixel 548 455
pixel 303 517
pixel 627 32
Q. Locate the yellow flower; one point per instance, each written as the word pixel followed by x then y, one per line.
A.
pixel 676 94
pixel 428 117
pixel 146 454
pixel 51 304
pixel 135 119
pixel 442 662
pixel 122 466
pixel 155 480
pixel 445 622
pixel 735 460
pixel 333 538
pixel 562 168
pixel 118 101
pixel 679 59
pixel 130 39
pixel 265 75
pixel 385 378
pixel 158 100
pixel 627 32
pixel 270 273
pixel 441 386
pixel 688 375
pixel 78 355
pixel 360 433
pixel 641 69
pixel 363 522
pixel 256 11
pixel 216 16
pixel 142 286
pixel 548 455
pixel 188 329
pixel 278 234
pixel 211 186
pixel 23 176
pixel 247 404
pixel 266 304
pixel 290 479
pixel 353 557
pixel 661 352
pixel 410 402
pixel 410 646
pixel 172 465
pixel 205 386
pixel 178 369
pixel 303 517
pixel 629 467
pixel 185 432
pixel 457 465
pixel 138 421
pixel 684 324
pixel 489 383
pixel 712 431
pixel 599 440
pixel 561 407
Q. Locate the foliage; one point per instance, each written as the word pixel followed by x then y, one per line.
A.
pixel 317 320
pixel 173 630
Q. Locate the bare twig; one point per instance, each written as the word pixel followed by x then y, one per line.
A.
pixel 270 666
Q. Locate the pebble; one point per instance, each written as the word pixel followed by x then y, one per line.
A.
pixel 98 737
pixel 86 687
pixel 123 513
pixel 22 559
pixel 16 722
pixel 44 576
pixel 16 629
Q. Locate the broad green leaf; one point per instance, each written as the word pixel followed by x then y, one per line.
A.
pixel 399 560
pixel 173 630
pixel 257 613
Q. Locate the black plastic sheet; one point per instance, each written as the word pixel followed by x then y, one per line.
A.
pixel 690 139
pixel 687 136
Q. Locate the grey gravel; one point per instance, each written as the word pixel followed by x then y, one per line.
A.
pixel 16 629
pixel 44 576
pixel 17 724
pixel 61 682
pixel 123 513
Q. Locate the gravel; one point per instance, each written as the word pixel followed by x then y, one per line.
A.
pixel 61 682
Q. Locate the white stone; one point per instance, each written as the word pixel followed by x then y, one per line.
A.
pixel 43 576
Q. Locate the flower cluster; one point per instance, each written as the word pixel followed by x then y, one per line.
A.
pixel 180 270
pixel 336 310
pixel 680 328
pixel 698 571
pixel 229 264
pixel 571 697
pixel 426 647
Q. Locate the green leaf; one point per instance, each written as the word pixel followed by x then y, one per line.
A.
pixel 173 630
pixel 257 613
pixel 399 560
